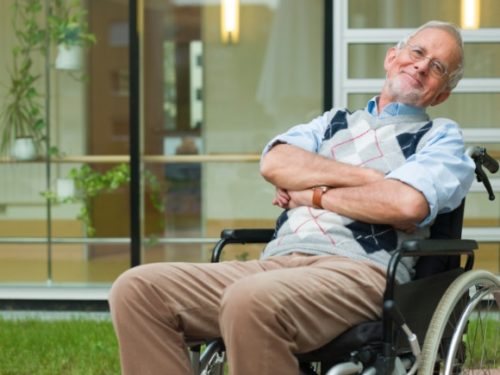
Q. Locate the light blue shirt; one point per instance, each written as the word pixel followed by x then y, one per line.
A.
pixel 440 169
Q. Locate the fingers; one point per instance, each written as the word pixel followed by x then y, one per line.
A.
pixel 281 199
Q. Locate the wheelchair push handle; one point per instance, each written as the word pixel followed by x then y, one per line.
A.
pixel 479 155
pixel 481 158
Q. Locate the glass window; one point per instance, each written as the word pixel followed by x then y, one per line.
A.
pixel 410 13
pixel 23 263
pixel 481 60
pixel 205 97
pixel 481 212
pixel 474 110
pixel 358 101
pixel 367 60
pixel 487 257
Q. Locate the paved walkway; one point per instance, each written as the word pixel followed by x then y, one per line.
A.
pixel 54 315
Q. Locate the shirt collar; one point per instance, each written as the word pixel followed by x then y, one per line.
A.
pixel 392 109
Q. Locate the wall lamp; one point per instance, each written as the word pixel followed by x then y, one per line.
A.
pixel 471 10
pixel 230 21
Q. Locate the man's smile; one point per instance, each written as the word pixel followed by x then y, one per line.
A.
pixel 413 79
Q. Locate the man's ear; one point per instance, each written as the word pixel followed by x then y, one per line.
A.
pixel 389 57
pixel 441 97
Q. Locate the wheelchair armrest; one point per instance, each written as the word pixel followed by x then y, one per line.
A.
pixel 240 236
pixel 258 235
pixel 428 247
pixel 437 247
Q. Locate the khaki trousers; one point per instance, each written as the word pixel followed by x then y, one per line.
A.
pixel 265 310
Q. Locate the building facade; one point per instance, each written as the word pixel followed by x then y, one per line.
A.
pixel 167 115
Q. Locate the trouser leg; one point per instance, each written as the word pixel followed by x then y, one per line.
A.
pixel 263 319
pixel 266 318
pixel 156 307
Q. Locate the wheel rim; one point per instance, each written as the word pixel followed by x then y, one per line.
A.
pixel 474 347
pixel 467 332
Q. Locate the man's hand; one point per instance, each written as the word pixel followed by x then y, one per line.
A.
pixel 292 199
pixel 300 198
pixel 282 198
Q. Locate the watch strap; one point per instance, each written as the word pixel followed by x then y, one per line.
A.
pixel 318 192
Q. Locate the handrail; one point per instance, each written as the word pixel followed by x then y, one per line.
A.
pixel 482 235
pixel 163 159
pixel 103 240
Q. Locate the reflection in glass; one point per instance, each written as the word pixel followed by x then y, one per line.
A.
pixel 200 97
pixel 222 98
pixel 169 91
pixel 481 60
pixel 367 60
pixel 410 13
pixel 463 108
pixel 358 101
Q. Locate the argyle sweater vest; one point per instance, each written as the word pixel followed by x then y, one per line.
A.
pixel 360 139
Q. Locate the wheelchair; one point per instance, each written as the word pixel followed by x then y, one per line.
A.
pixel 445 321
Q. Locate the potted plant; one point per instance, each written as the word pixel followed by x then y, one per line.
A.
pixel 69 30
pixel 22 118
pixel 88 183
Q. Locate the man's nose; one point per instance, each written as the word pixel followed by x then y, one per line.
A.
pixel 423 65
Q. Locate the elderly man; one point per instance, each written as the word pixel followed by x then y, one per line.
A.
pixel 353 185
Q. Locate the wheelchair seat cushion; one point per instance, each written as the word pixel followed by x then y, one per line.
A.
pixel 349 341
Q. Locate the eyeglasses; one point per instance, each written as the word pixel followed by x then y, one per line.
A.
pixel 436 67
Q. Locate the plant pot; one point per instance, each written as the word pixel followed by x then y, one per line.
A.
pixel 24 149
pixel 69 57
pixel 65 188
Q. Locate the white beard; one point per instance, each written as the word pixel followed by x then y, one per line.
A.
pixel 401 94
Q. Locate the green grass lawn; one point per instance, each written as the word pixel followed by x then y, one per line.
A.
pixel 487 331
pixel 32 346
pixel 59 347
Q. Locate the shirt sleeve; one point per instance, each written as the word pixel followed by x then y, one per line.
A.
pixel 306 136
pixel 440 170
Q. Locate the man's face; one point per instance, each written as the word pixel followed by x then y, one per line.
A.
pixel 413 81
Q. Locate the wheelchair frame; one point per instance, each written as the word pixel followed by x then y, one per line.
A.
pixel 392 346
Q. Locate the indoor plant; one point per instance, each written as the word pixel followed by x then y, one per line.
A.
pixel 89 183
pixel 69 30
pixel 22 114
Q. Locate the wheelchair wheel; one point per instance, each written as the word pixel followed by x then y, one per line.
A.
pixel 464 333
pixel 213 359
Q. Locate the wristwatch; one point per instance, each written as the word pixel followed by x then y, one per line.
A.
pixel 318 192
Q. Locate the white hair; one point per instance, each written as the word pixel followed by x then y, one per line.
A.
pixel 455 76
